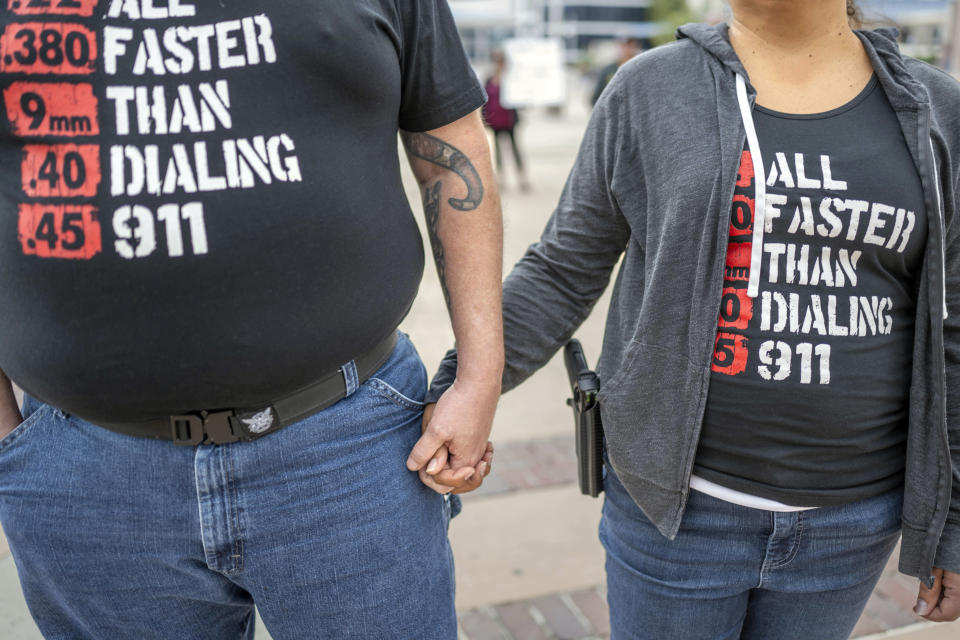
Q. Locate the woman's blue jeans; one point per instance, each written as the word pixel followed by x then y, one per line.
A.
pixel 734 572
pixel 320 524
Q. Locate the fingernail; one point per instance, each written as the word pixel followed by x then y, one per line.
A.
pixel 432 466
pixel 921 608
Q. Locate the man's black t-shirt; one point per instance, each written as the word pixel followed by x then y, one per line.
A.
pixel 201 201
pixel 808 396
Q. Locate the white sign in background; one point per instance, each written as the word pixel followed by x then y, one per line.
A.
pixel 535 74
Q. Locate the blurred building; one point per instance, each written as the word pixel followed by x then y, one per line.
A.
pixel 925 25
pixel 952 54
pixel 484 23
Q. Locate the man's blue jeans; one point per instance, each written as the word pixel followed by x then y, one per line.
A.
pixel 320 524
pixel 735 572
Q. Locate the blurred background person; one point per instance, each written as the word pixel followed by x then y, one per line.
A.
pixel 628 49
pixel 503 121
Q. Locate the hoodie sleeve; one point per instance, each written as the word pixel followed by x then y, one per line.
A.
pixel 553 288
pixel 948 554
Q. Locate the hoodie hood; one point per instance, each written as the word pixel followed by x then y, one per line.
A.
pixel 715 39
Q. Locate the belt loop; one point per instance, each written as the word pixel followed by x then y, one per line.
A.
pixel 350 377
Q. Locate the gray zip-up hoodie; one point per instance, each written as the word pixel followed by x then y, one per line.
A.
pixel 654 183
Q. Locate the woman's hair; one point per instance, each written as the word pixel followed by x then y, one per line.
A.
pixel 854 14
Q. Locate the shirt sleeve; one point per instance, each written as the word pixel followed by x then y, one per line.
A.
pixel 553 288
pixel 439 85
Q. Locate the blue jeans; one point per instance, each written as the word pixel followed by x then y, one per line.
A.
pixel 736 572
pixel 320 524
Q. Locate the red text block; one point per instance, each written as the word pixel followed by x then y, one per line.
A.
pixel 60 48
pixel 737 267
pixel 52 7
pixel 741 216
pixel 59 231
pixel 60 170
pixel 745 173
pixel 51 109
pixel 730 354
pixel 736 309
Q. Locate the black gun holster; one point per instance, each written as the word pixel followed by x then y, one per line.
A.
pixel 586 411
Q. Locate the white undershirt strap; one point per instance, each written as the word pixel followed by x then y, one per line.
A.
pixel 743 499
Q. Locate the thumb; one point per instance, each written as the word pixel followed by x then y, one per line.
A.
pixel 428 412
pixel 428 445
pixel 927 599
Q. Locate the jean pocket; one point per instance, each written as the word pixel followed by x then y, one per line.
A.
pixel 16 436
pixel 402 379
pixel 385 390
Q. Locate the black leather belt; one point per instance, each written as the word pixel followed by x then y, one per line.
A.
pixel 223 426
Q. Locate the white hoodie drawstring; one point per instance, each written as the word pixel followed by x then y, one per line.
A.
pixel 760 189
pixel 943 240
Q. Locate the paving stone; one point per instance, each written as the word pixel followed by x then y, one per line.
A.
pixel 866 626
pixel 520 622
pixel 900 589
pixel 892 562
pixel 519 479
pixel 537 463
pixel 481 625
pixel 526 544
pixel 560 619
pixel 891 614
pixel 15 620
pixel 594 608
pixel 493 484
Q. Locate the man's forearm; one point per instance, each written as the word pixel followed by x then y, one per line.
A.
pixel 462 210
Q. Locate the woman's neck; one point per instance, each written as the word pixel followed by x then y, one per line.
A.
pixel 789 26
pixel 802 57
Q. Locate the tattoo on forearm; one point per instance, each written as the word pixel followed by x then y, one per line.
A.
pixel 438 152
pixel 431 210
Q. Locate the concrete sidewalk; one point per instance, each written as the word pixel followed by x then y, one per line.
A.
pixel 529 565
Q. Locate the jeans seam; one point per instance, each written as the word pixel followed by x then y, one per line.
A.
pixel 236 542
pixel 386 390
pixel 794 548
pixel 21 429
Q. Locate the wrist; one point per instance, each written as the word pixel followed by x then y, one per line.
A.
pixel 487 375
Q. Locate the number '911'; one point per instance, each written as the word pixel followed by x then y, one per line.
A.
pixel 778 361
pixel 136 229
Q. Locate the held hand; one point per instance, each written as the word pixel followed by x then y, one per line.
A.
pixel 456 431
pixel 472 482
pixel 942 602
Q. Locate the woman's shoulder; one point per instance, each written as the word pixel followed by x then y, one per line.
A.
pixel 943 90
pixel 934 78
pixel 673 55
pixel 669 70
